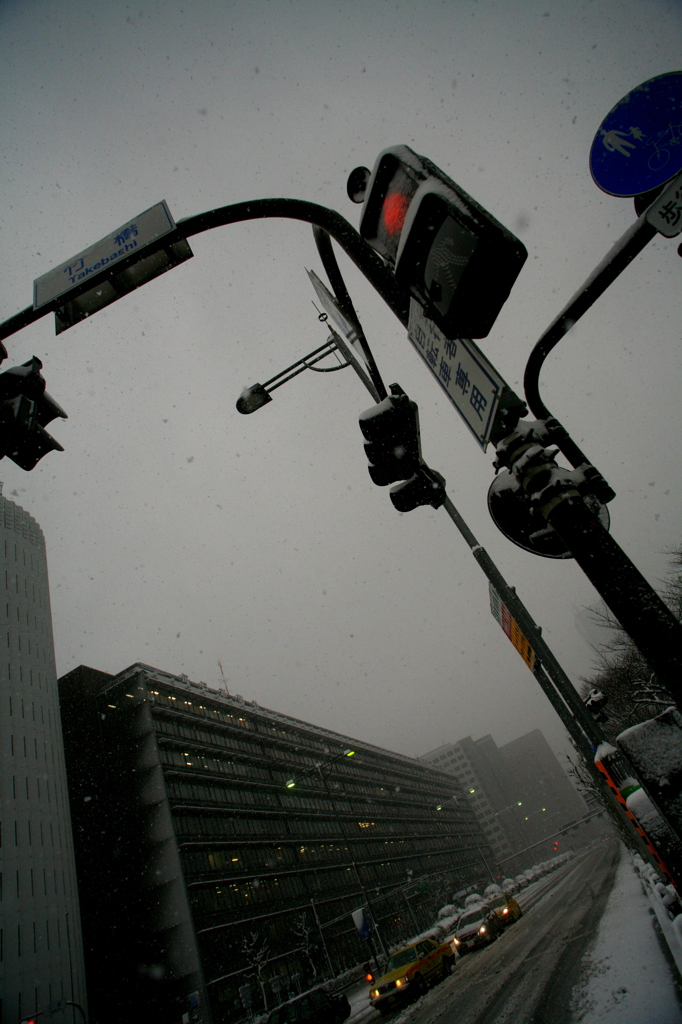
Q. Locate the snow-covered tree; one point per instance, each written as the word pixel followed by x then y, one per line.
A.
pixel 633 692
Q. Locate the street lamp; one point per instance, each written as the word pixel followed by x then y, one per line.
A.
pixel 323 768
pixel 257 395
pixel 317 767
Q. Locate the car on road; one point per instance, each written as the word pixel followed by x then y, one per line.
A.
pixel 506 908
pixel 315 1007
pixel 478 926
pixel 409 971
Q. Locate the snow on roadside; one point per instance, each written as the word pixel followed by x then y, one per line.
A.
pixel 626 978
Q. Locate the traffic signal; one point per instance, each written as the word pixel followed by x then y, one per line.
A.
pixel 392 442
pixel 393 448
pixel 455 259
pixel 25 410
pixel 595 702
pixel 427 487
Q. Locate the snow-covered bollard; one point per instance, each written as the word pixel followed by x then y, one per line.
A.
pixel 667 894
pixel 654 749
pixel 677 927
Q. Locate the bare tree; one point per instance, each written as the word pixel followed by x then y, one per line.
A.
pixel 633 693
pixel 257 954
pixel 304 933
pixel 588 783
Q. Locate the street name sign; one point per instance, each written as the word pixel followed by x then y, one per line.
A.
pixel 135 235
pixel 638 145
pixel 511 627
pixel 471 383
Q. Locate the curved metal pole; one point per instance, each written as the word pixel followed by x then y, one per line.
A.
pixel 305 363
pixel 550 675
pixel 614 263
pixel 328 257
pixel 78 1006
pixel 364 257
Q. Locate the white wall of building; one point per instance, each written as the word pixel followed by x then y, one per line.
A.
pixel 41 960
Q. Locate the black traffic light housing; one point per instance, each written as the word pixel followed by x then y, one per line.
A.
pixel 25 410
pixel 392 441
pixel 393 448
pixel 455 259
pixel 426 487
pixel 595 702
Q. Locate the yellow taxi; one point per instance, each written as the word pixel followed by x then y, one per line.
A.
pixel 409 971
pixel 506 907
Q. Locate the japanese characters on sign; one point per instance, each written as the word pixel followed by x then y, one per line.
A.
pixel 511 627
pixel 665 214
pixel 136 234
pixel 471 383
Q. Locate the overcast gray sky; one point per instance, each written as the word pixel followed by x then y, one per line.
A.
pixel 180 533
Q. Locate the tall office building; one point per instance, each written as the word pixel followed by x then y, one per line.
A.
pixel 41 959
pixel 226 846
pixel 459 758
pixel 520 793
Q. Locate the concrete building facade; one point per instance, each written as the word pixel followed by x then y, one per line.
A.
pixel 222 885
pixel 41 958
pixel 460 759
pixel 519 792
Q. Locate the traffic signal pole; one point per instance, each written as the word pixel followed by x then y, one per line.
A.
pixel 562 695
pixel 554 682
pixel 641 612
pixel 628 246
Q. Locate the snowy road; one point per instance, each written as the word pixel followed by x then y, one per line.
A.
pixel 550 966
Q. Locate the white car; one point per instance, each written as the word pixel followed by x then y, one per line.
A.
pixel 478 926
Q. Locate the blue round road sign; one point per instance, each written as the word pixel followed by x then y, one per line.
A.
pixel 639 143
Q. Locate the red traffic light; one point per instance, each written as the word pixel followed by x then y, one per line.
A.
pixel 397 175
pixel 452 255
pixel 393 212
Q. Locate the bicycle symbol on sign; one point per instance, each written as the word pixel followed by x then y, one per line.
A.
pixel 668 138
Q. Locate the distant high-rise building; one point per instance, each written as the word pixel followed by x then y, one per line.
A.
pixel 459 759
pixel 520 793
pixel 41 957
